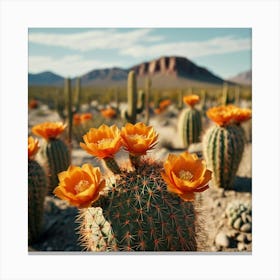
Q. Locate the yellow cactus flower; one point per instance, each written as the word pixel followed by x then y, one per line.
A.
pixel 33 147
pixel 49 130
pixel 191 100
pixel 185 174
pixel 80 186
pixel 102 142
pixel 138 139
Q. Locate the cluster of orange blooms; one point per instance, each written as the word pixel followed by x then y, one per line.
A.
pixel 109 113
pixel 184 174
pixel 81 118
pixel 191 100
pixel 228 114
pixel 48 130
pixel 163 105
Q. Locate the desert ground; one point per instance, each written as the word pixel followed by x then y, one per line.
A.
pixel 60 225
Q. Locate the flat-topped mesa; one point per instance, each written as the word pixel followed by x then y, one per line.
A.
pixel 173 66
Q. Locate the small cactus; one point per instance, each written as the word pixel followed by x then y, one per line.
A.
pixel 239 215
pixel 190 124
pixel 223 143
pixel 37 190
pixel 54 152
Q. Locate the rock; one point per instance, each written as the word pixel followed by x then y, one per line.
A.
pixel 237 223
pixel 249 237
pixel 241 237
pixel 241 246
pixel 222 240
pixel 246 227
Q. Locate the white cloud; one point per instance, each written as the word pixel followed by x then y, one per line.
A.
pixel 97 39
pixel 191 49
pixel 67 66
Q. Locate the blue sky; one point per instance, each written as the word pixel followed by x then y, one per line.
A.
pixel 71 52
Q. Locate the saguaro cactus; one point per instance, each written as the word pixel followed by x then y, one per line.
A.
pixel 130 114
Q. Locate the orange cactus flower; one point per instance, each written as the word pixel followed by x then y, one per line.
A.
pixel 33 104
pixel 185 174
pixel 102 142
pixel 191 100
pixel 85 117
pixel 241 115
pixel 158 111
pixel 80 186
pixel 33 147
pixel 138 138
pixel 49 130
pixel 221 115
pixel 77 119
pixel 164 104
pixel 108 113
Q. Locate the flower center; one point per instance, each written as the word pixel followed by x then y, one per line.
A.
pixel 185 175
pixel 81 186
pixel 105 141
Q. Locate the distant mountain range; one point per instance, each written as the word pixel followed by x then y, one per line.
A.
pixel 166 71
pixel 244 78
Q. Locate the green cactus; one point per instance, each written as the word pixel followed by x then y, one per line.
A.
pixel 223 148
pixel 66 109
pixel 148 84
pixel 139 214
pixel 180 100
pixel 56 156
pixel 37 190
pixel 189 126
pixel 225 97
pixel 237 95
pixel 135 102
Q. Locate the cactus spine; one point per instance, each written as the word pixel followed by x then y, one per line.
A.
pixel 223 148
pixel 56 155
pixel 37 190
pixel 139 214
pixel 189 126
pixel 130 114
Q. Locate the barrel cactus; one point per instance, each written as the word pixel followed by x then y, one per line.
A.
pixel 37 190
pixel 54 152
pixel 146 205
pixel 189 124
pixel 223 143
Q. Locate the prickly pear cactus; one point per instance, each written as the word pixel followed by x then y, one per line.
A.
pixel 37 190
pixel 139 214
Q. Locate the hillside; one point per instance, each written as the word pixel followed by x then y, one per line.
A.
pixel 172 71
